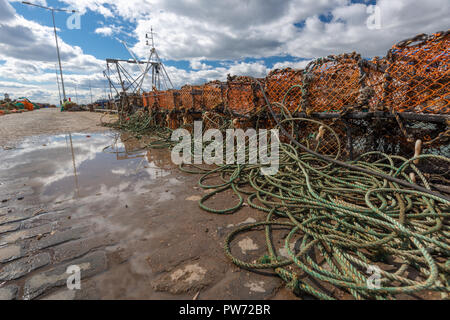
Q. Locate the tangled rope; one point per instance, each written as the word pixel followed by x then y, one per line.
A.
pixel 363 218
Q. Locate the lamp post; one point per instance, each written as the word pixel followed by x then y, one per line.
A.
pixel 57 81
pixel 56 39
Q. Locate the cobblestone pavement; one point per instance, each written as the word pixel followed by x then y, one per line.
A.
pixel 128 219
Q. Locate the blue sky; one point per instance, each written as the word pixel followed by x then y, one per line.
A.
pixel 198 40
pixel 92 43
pixel 108 47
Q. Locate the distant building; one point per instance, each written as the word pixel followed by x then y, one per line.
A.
pixel 7 97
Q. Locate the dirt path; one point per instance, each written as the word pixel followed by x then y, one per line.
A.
pixel 15 127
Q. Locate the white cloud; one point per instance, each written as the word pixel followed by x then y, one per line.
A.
pixel 347 31
pixel 105 31
pixel 198 65
pixel 291 64
pixel 199 31
pixel 190 29
pixel 6 11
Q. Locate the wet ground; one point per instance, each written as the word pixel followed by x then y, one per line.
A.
pixel 73 193
pixel 127 217
pixel 14 127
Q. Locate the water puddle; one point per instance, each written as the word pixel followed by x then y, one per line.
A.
pixel 81 165
pixel 108 195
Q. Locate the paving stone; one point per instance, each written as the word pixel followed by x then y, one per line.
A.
pixel 10 214
pixel 14 193
pixel 19 268
pixel 57 238
pixel 10 253
pixel 90 265
pixel 7 210
pixel 44 218
pixel 9 293
pixel 61 295
pixel 9 227
pixel 75 249
pixel 25 234
pixel 13 217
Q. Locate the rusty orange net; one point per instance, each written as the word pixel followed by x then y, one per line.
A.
pixel 191 97
pixel 372 93
pixel 285 84
pixel 213 95
pixel 413 77
pixel 150 100
pixel 243 95
pixel 418 75
pixel 168 100
pixel 332 83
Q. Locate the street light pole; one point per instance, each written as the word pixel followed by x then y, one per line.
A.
pixel 56 39
pixel 57 81
pixel 76 93
pixel 59 57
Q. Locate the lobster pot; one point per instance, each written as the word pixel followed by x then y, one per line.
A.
pixel 284 86
pixel 191 97
pixel 244 96
pixel 374 81
pixel 419 75
pixel 152 100
pixel 332 84
pixel 169 100
pixel 213 95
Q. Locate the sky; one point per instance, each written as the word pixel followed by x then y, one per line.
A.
pixel 197 40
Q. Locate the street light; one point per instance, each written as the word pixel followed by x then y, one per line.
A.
pixel 56 38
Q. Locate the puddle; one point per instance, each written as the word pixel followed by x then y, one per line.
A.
pixel 102 196
pixel 81 165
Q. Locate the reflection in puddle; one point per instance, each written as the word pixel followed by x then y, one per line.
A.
pixel 81 165
pixel 107 192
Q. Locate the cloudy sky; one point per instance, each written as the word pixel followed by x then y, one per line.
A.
pixel 198 40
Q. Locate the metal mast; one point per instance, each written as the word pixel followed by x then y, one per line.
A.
pixel 128 82
pixel 156 66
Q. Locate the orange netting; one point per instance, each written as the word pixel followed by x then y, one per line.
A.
pixel 243 95
pixel 213 95
pixel 168 99
pixel 191 97
pixel 419 75
pixel 332 83
pixel 279 86
pixel 413 77
pixel 150 100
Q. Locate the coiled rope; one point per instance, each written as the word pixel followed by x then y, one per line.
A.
pixel 356 216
